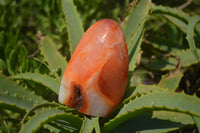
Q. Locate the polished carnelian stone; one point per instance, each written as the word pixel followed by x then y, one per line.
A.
pixel 95 78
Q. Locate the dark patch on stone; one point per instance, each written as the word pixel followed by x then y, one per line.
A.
pixel 76 100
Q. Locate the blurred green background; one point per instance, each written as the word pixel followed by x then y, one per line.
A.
pixel 23 24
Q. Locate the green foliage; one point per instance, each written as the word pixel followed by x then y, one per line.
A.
pixel 190 35
pixel 87 126
pixel 55 60
pixel 186 56
pixel 134 20
pixel 96 124
pixel 156 121
pixel 90 124
pixel 171 101
pixel 74 26
pixel 37 39
pixel 170 82
pixel 15 96
pixel 50 114
pixel 133 30
pixel 45 80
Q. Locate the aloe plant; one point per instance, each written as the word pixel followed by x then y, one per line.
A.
pixel 28 95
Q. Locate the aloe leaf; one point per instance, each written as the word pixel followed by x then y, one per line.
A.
pixel 197 29
pixel 170 81
pixel 49 104
pixel 197 121
pixel 142 89
pixel 155 122
pixel 87 126
pixel 187 58
pixel 190 34
pixel 180 24
pixel 52 129
pixel 37 107
pixel 166 45
pixel 74 24
pixel 14 95
pixel 138 77
pixel 47 115
pixel 135 49
pixel 169 101
pixel 135 18
pixel 180 19
pixel 55 127
pixel 133 30
pixel 64 125
pixel 96 124
pixel 171 11
pixel 147 88
pixel 55 60
pixel 180 118
pixel 45 80
pixel 14 102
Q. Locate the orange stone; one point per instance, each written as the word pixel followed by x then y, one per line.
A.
pixel 95 78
